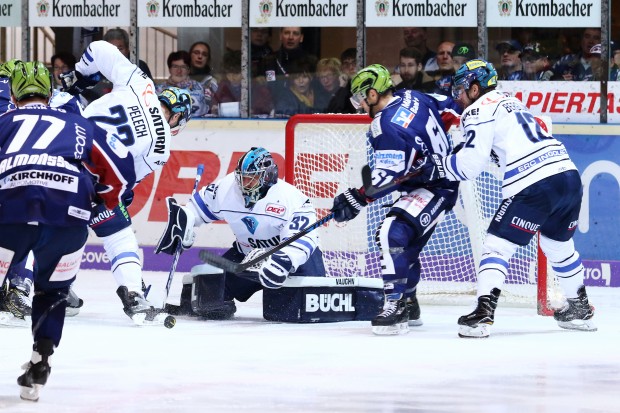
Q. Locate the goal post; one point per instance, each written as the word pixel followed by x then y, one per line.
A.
pixel 324 156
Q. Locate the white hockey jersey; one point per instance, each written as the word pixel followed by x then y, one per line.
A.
pixel 282 213
pixel 500 126
pixel 131 110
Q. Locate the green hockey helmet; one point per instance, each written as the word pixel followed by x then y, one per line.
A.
pixel 375 77
pixel 31 79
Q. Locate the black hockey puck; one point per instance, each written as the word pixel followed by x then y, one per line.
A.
pixel 170 321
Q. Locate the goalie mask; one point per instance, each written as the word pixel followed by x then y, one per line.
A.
pixel 255 173
pixel 177 101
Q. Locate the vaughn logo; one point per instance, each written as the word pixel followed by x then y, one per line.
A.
pixel 549 8
pixel 329 302
pixel 67 8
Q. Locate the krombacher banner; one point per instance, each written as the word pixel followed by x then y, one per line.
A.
pixel 189 13
pixel 74 13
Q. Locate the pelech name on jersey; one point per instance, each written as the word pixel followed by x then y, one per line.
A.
pixel 160 130
pixel 139 123
pixel 36 159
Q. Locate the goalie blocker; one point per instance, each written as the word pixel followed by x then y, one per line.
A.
pixel 301 299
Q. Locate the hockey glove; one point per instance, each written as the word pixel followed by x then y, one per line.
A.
pixel 348 205
pixel 180 229
pixel 75 83
pixel 429 169
pixel 274 270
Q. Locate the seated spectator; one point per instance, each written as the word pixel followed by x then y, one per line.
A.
pixel 328 73
pixel 443 76
pixel 462 52
pixel 577 66
pixel 411 74
pixel 120 38
pixel 61 62
pixel 536 64
pixel 178 65
pixel 200 68
pixel 614 62
pixel 341 102
pixel 510 60
pixel 417 37
pixel 260 37
pixel 299 96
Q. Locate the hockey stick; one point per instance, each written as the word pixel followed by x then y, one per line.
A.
pixel 236 267
pixel 177 253
pixel 372 191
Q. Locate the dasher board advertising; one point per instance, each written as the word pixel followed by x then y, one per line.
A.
pixel 303 13
pixel 79 13
pixel 421 13
pixel 189 13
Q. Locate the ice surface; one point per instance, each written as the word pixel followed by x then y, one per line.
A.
pixel 106 364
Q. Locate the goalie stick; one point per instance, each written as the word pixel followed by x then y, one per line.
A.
pixel 236 267
pixel 371 191
pixel 177 253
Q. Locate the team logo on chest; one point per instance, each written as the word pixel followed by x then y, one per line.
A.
pixel 251 223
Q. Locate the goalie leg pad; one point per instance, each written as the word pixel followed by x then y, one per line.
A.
pixel 207 294
pixel 324 300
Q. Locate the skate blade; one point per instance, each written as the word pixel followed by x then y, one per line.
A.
pixel 72 311
pixel 396 329
pixel 580 325
pixel 30 393
pixel 7 319
pixel 141 320
pixel 480 331
pixel 415 323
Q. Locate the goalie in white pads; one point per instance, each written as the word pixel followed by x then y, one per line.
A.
pixel 541 188
pixel 262 211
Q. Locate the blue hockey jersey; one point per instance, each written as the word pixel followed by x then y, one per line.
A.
pixel 50 161
pixel 412 125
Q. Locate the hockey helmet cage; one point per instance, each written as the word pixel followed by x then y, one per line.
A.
pixel 31 79
pixel 375 77
pixel 255 173
pixel 6 69
pixel 476 70
pixel 177 101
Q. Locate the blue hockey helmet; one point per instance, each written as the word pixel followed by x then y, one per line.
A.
pixel 177 101
pixel 255 173
pixel 476 70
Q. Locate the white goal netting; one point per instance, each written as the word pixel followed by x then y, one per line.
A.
pixel 325 154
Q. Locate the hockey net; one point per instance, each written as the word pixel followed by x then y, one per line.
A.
pixel 324 157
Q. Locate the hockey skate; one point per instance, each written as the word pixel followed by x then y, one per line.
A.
pixel 15 307
pixel 413 308
pixel 37 370
pixel 577 313
pixel 139 309
pixel 393 319
pixel 74 303
pixel 478 323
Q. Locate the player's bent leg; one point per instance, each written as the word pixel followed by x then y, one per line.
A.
pixel 122 250
pixel 577 313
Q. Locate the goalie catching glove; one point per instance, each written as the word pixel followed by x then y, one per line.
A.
pixel 179 230
pixel 348 204
pixel 274 270
pixel 75 83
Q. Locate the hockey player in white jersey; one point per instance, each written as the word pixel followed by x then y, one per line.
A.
pixel 145 123
pixel 541 189
pixel 262 211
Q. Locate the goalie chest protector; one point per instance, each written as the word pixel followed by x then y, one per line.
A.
pixel 324 300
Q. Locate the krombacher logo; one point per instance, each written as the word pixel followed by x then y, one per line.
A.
pixel 551 8
pixel 425 8
pixel 312 8
pixel 62 9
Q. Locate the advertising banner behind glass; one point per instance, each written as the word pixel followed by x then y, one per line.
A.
pixel 543 13
pixel 78 13
pixel 421 13
pixel 189 13
pixel 303 13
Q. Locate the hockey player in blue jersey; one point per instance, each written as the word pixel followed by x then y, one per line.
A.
pixel 50 161
pixel 541 188
pixel 407 125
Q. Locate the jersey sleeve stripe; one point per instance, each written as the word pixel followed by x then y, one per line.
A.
pixel 203 207
pixel 455 170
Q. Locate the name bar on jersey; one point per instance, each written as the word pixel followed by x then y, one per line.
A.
pixel 71 13
pixel 436 13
